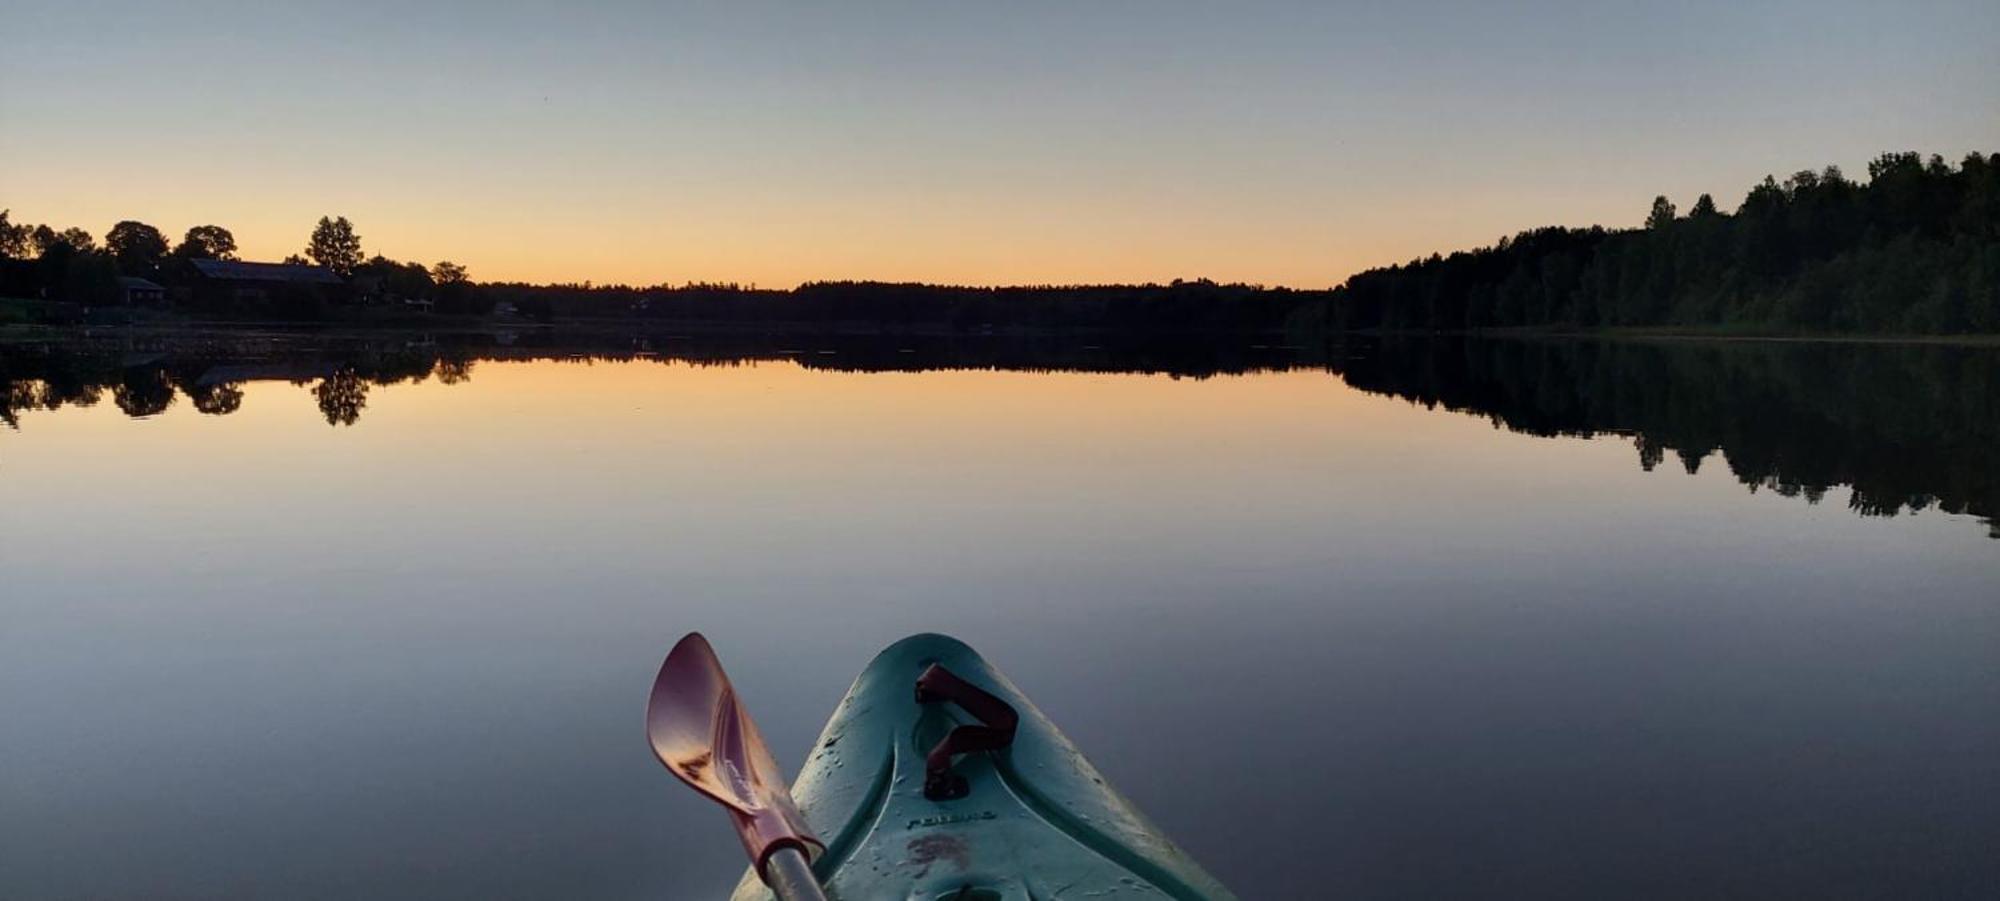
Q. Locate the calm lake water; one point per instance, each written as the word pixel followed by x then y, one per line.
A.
pixel 331 618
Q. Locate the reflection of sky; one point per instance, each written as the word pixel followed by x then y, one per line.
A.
pixel 257 655
pixel 1284 142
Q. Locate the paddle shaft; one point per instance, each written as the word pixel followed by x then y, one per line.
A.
pixel 791 877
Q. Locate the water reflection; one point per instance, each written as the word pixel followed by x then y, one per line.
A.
pixel 1907 427
pixel 1474 656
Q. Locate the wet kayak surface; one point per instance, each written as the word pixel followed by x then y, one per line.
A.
pixel 1031 820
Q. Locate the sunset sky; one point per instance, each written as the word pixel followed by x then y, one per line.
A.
pixel 1281 143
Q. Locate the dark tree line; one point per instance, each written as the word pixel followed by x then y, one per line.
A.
pixel 1914 249
pixel 1181 306
pixel 69 265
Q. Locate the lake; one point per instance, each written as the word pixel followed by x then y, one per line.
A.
pixel 324 616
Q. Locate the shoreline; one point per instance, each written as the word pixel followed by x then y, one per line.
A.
pixel 1728 334
pixel 696 329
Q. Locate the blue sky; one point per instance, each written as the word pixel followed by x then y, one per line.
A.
pixel 1019 142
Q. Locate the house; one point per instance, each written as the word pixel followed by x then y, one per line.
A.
pixel 139 290
pixel 238 284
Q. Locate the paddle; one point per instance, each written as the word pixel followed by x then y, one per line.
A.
pixel 701 732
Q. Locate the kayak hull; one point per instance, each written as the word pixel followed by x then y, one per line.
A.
pixel 1037 821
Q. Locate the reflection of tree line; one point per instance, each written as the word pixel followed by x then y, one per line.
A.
pixel 1907 426
pixel 146 380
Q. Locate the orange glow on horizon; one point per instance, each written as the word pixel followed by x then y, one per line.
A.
pixel 976 240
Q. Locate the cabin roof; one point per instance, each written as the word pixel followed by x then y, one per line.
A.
pixel 238 270
pixel 129 281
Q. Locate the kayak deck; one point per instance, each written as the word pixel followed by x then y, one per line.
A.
pixel 1036 820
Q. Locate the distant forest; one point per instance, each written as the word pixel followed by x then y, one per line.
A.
pixel 1915 249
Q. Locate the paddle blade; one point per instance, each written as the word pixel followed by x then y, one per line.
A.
pixel 701 732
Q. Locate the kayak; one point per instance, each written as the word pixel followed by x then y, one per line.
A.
pixel 937 780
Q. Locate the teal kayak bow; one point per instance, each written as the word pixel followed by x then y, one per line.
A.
pixel 937 780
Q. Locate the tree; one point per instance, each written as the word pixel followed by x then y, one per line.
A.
pixel 216 400
pixel 40 239
pixel 207 242
pixel 1765 198
pixel 44 239
pixel 335 245
pixel 1662 214
pixel 454 370
pixel 447 272
pixel 13 238
pixel 136 246
pixel 1704 208
pixel 294 259
pixel 454 295
pixel 341 396
pixel 144 392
